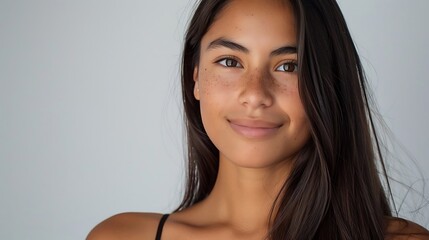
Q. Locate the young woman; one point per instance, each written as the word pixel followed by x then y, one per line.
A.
pixel 281 143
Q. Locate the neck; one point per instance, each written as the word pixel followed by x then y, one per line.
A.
pixel 243 197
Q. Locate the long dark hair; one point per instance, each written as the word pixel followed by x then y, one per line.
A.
pixel 334 190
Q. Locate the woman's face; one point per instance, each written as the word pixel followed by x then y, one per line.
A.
pixel 247 84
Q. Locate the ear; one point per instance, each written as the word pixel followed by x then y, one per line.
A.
pixel 196 86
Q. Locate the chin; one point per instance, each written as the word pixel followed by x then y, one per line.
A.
pixel 256 161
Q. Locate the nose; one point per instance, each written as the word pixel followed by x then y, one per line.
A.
pixel 256 90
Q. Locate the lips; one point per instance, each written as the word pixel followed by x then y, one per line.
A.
pixel 254 128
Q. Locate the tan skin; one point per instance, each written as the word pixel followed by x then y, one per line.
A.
pixel 250 106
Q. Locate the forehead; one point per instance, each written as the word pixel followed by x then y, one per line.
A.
pixel 254 22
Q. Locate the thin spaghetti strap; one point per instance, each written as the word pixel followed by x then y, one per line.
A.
pixel 161 226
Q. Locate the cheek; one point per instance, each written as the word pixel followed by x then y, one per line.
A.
pixel 210 85
pixel 291 103
pixel 213 84
pixel 287 86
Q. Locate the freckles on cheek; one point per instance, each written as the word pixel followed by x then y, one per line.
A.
pixel 289 89
pixel 215 83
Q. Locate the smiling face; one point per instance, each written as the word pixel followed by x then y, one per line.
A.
pixel 247 84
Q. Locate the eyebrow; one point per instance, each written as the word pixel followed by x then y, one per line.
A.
pixel 222 42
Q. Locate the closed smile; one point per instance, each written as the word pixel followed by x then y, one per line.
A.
pixel 254 128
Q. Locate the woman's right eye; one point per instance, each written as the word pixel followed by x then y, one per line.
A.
pixel 229 62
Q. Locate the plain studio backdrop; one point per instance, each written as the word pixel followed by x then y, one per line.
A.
pixel 90 112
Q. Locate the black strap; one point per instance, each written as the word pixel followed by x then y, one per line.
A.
pixel 160 226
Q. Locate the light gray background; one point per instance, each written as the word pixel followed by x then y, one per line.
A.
pixel 90 121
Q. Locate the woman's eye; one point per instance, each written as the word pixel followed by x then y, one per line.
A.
pixel 288 67
pixel 229 62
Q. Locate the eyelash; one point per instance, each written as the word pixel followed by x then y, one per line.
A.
pixel 224 62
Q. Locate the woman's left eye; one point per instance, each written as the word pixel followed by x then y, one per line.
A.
pixel 288 67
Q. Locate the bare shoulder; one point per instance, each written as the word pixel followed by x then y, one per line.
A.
pixel 402 229
pixel 141 226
